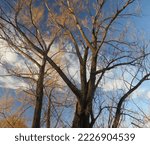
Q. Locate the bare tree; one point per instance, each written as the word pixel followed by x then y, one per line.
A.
pixel 10 115
pixel 32 21
pixel 91 30
pixel 90 36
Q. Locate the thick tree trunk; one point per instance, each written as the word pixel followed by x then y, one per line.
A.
pixel 39 97
pixel 81 117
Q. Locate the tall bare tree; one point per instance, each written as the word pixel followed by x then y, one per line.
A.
pixel 98 43
pixel 31 16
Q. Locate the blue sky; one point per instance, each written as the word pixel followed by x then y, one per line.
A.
pixel 143 22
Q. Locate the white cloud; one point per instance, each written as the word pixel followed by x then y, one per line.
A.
pixel 9 56
pixel 140 92
pixel 11 82
pixel 113 81
pixel 148 94
pixel 114 85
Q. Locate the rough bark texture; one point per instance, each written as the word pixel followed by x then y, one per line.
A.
pixel 81 118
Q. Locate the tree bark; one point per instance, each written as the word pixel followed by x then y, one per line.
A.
pixel 39 96
pixel 81 117
pixel 48 119
pixel 83 114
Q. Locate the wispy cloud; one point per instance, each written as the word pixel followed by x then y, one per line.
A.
pixel 9 56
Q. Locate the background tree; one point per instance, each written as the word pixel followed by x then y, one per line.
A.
pixel 11 116
pixel 31 16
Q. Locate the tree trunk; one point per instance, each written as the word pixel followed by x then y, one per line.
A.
pixel 116 120
pixel 48 120
pixel 39 96
pixel 81 117
pixel 83 114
